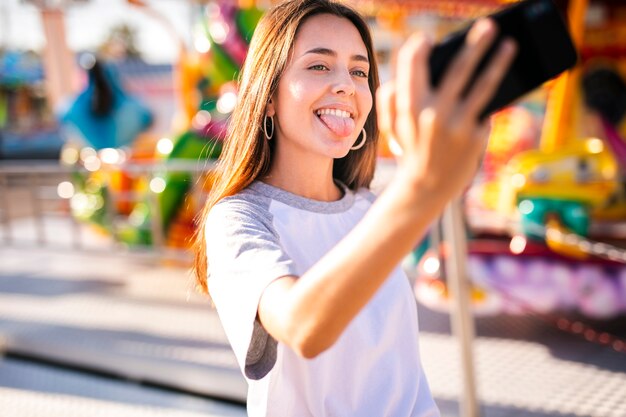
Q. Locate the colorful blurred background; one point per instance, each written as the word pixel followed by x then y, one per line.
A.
pixel 112 115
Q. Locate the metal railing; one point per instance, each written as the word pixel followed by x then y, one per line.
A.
pixel 30 200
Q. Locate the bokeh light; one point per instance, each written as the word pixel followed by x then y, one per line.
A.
pixel 594 145
pixel 219 31
pixel 431 265
pixel 227 102
pixel 110 156
pixel 157 185
pixel 201 119
pixel 92 163
pixel 202 44
pixel 518 244
pixel 65 189
pixel 69 155
pixel 87 152
pixel 165 146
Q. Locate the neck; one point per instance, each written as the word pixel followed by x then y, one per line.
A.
pixel 305 176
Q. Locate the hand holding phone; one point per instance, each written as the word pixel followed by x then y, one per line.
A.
pixel 544 50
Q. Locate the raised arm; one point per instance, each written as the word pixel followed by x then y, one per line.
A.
pixel 442 140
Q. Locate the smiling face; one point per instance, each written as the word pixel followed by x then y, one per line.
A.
pixel 323 97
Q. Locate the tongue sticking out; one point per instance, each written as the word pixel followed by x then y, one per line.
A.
pixel 341 126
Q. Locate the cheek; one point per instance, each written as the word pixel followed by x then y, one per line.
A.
pixel 366 101
pixel 292 100
pixel 295 91
pixel 295 100
pixel 290 109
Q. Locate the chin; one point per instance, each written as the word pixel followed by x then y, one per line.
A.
pixel 337 152
pixel 331 147
pixel 338 149
pixel 341 154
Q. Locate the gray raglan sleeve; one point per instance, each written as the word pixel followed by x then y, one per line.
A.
pixel 244 256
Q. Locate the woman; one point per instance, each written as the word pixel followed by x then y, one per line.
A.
pixel 302 263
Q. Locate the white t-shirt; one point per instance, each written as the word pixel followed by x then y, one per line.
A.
pixel 373 369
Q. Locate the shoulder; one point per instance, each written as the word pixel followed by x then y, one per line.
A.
pixel 244 211
pixel 245 205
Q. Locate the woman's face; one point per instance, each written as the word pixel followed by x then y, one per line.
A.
pixel 323 96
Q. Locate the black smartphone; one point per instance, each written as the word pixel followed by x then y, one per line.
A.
pixel 544 50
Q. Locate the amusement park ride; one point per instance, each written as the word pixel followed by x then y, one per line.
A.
pixel 546 220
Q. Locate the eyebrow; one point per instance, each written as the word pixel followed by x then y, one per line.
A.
pixel 330 52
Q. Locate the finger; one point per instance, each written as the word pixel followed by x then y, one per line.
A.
pixel 480 138
pixel 458 74
pixel 412 73
pixel 483 132
pixel 490 79
pixel 386 108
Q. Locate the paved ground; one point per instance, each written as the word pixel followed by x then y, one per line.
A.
pixel 138 320
pixel 34 389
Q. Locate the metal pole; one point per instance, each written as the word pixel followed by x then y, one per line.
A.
pixel 58 60
pixel 460 314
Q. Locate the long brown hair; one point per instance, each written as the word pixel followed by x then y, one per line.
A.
pixel 247 155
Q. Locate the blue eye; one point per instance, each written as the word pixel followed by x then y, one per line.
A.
pixel 360 73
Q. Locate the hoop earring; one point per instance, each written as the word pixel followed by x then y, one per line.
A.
pixel 268 136
pixel 362 142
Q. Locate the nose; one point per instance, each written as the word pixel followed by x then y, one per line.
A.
pixel 343 83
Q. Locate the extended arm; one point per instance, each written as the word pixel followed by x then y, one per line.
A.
pixel 442 142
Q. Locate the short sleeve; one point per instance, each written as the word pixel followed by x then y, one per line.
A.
pixel 244 256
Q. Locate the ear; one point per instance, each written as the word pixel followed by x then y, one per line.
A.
pixel 270 110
